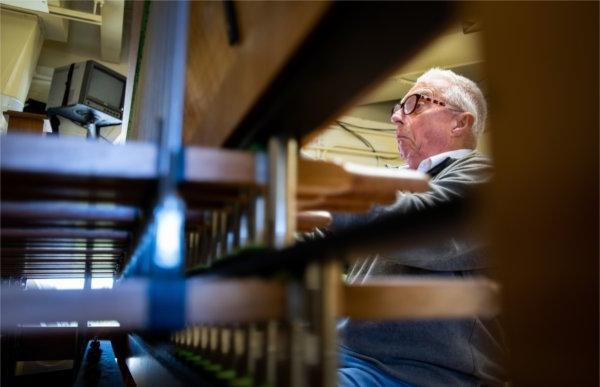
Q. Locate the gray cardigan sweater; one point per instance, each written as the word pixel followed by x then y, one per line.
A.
pixel 460 352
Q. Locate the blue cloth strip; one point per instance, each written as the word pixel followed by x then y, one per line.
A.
pixel 166 304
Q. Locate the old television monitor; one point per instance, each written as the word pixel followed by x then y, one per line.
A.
pixel 87 92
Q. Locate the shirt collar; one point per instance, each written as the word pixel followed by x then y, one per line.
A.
pixel 434 160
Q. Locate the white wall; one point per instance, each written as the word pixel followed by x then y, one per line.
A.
pixel 20 44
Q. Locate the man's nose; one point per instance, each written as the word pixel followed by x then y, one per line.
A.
pixel 397 118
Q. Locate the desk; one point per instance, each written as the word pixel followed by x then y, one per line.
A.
pixel 25 122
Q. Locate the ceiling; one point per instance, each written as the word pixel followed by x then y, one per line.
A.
pixel 59 17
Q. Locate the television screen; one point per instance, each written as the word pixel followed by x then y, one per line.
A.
pixel 105 88
pixel 87 91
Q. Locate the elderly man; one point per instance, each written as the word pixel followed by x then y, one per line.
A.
pixel 438 123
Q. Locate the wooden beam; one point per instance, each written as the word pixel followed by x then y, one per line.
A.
pixel 219 72
pixel 33 263
pixel 352 47
pixel 48 252
pixel 70 233
pixel 77 158
pixel 205 165
pixel 395 298
pixel 543 210
pixel 246 300
pixel 106 167
pixel 63 210
pixel 72 14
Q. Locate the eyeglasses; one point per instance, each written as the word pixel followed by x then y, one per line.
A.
pixel 412 101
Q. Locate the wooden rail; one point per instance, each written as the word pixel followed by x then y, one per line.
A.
pixel 246 300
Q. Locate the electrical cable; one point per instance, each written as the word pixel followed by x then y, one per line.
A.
pixel 361 138
pixel 349 150
pixel 367 128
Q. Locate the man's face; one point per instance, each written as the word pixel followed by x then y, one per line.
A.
pixel 426 131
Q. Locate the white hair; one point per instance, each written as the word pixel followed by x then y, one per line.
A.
pixel 462 93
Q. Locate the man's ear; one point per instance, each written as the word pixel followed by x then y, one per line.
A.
pixel 464 123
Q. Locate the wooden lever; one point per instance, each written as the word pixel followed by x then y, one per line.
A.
pixel 352 188
pixel 411 298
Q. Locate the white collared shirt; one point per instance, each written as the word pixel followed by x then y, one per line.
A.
pixel 434 160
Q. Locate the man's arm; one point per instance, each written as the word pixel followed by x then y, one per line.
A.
pixel 450 254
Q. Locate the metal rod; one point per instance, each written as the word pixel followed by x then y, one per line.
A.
pixel 281 208
pixel 329 311
pixel 271 350
pixel 252 349
pixel 281 226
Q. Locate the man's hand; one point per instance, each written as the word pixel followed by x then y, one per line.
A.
pixel 312 225
pixel 308 220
